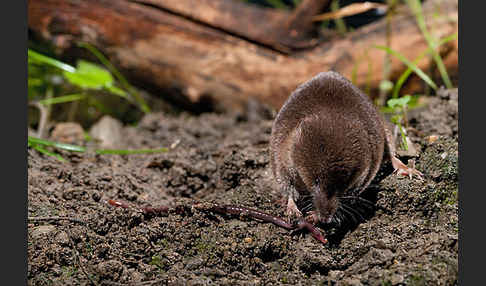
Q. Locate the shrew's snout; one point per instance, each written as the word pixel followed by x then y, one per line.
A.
pixel 325 205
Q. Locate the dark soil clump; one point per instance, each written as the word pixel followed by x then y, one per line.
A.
pixel 410 238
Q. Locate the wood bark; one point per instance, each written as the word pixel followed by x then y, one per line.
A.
pixel 194 57
pixel 281 30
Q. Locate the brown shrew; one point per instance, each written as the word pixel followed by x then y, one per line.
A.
pixel 327 140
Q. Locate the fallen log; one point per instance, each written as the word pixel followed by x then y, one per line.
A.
pixel 278 29
pixel 189 62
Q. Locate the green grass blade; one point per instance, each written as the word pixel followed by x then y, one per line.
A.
pixel 416 8
pixel 34 82
pixel 143 105
pixel 62 99
pixel 340 23
pixel 89 76
pixel 46 152
pixel 404 76
pixel 64 146
pixel 34 56
pixel 409 64
pixel 130 152
pixel 117 91
pixel 35 142
pixel 404 138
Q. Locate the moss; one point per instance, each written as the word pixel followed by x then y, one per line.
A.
pixel 416 280
pixel 446 195
pixel 201 246
pixel 68 271
pixel 157 261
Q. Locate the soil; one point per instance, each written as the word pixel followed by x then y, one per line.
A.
pixel 75 237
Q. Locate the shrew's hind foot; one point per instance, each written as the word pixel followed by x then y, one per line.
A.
pixel 404 170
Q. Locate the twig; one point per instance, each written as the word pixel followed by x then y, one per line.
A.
pixel 44 218
pixel 150 282
pixel 141 283
pixel 350 10
pixel 43 117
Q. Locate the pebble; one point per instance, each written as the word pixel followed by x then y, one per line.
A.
pixel 62 238
pixel 68 132
pixel 42 230
pixel 109 131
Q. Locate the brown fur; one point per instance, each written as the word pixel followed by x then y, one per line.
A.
pixel 327 139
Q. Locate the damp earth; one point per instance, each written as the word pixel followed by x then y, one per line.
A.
pixel 74 237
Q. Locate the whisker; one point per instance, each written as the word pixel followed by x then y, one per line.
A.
pixel 306 201
pixel 368 202
pixel 307 207
pixel 354 211
pixel 337 218
pixel 362 209
pixel 350 214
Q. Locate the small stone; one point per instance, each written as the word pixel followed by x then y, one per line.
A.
pixel 194 263
pixel 380 244
pixel 136 276
pixel 62 238
pixel 68 132
pixel 111 269
pixel 42 230
pixel 108 131
pixel 336 274
pixel 397 279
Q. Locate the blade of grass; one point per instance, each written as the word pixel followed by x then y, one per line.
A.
pixel 340 23
pixel 34 56
pixel 409 64
pixel 64 146
pixel 404 76
pixel 350 10
pixel 143 105
pixel 416 8
pixel 117 91
pixel 130 152
pixel 48 153
pixel 36 141
pixel 63 99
